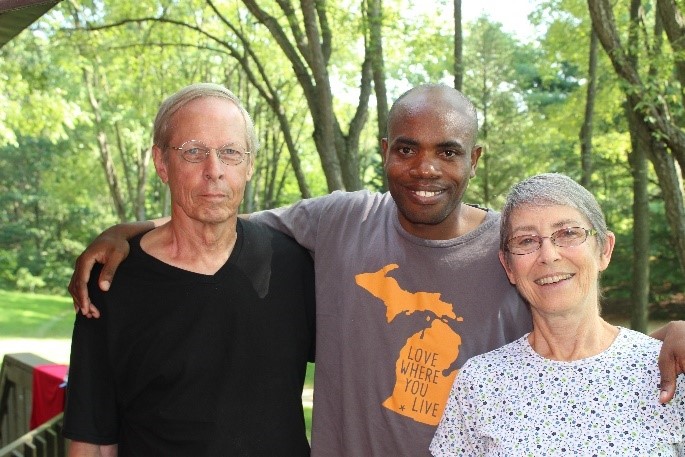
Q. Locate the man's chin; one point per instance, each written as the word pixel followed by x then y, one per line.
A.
pixel 423 219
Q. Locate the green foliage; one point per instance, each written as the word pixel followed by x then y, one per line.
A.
pixel 26 282
pixel 46 217
pixel 665 273
pixel 66 91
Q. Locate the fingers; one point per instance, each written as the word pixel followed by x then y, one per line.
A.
pixel 94 312
pixel 668 373
pixel 667 390
pixel 107 273
pixel 671 359
pixel 103 251
pixel 78 285
pixel 668 370
pixel 670 376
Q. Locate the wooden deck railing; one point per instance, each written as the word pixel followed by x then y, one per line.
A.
pixel 44 441
pixel 16 438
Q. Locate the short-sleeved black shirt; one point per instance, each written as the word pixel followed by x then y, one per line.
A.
pixel 181 363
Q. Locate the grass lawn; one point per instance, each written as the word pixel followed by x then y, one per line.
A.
pixel 35 316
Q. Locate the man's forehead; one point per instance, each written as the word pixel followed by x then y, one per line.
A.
pixel 215 117
pixel 432 107
pixel 431 120
pixel 217 104
pixel 206 110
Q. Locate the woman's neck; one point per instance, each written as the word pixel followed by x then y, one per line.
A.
pixel 567 339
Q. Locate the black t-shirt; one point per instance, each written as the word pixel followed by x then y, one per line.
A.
pixel 181 363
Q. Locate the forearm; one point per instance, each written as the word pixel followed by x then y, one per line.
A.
pixel 130 229
pixel 109 248
pixel 81 449
pixel 661 332
pixel 671 357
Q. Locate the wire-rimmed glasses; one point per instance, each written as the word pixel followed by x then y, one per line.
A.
pixel 563 238
pixel 194 151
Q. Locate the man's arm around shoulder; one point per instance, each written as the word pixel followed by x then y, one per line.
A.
pixel 671 357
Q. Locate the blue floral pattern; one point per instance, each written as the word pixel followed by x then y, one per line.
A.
pixel 514 402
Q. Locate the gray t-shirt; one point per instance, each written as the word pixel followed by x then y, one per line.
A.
pixel 397 316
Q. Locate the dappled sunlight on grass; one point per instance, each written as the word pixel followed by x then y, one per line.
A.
pixel 308 421
pixel 35 316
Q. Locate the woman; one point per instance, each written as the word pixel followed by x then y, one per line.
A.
pixel 575 385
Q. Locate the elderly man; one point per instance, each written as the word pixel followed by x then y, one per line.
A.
pixel 202 345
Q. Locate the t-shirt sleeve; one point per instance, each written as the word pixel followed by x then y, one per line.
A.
pixel 456 433
pixel 310 307
pixel 90 409
pixel 300 220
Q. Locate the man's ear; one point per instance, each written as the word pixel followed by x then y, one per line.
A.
pixel 160 163
pixel 250 167
pixel 476 152
pixel 384 150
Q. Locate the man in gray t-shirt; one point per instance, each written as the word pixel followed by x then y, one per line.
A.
pixel 408 283
pixel 396 316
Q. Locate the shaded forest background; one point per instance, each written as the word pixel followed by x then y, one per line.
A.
pixel 598 95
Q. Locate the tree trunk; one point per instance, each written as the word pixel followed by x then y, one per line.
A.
pixel 103 147
pixel 640 141
pixel 308 54
pixel 375 18
pixel 324 119
pixel 586 129
pixel 673 23
pixel 261 81
pixel 144 156
pixel 458 47
pixel 653 112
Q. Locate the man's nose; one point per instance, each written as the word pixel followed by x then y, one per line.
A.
pixel 213 168
pixel 426 165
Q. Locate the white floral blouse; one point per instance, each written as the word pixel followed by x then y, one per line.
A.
pixel 514 402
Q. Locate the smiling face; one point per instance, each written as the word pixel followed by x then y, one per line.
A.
pixel 556 280
pixel 208 192
pixel 429 157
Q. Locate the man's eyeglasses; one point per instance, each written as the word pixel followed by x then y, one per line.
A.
pixel 563 238
pixel 195 151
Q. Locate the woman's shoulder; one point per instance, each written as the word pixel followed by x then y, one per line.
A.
pixel 631 342
pixel 507 357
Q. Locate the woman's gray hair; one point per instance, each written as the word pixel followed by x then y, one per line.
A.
pixel 550 189
pixel 192 92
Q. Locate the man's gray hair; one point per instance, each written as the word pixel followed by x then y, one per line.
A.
pixel 550 189
pixel 192 92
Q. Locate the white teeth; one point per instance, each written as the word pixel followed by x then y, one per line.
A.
pixel 425 193
pixel 552 279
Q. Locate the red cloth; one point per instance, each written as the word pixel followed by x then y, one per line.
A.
pixel 48 393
